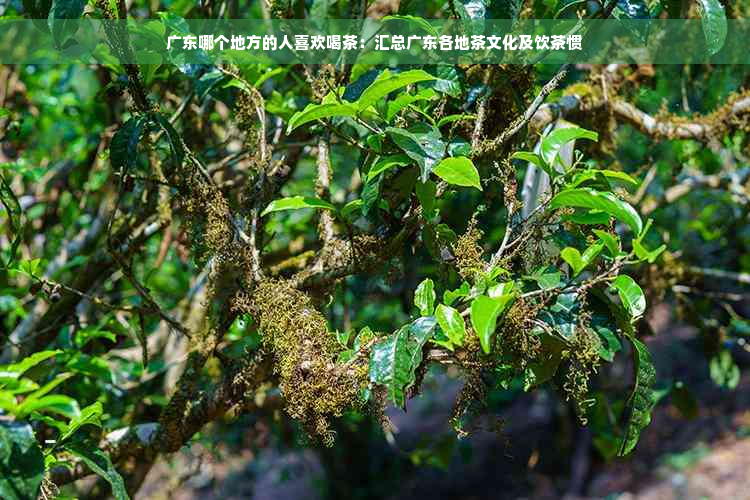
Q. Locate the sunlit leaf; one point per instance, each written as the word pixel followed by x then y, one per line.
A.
pixel 297 202
pixel 15 370
pixel 723 370
pixel 484 314
pixel 577 261
pixel 319 112
pixel 388 82
pixel 54 403
pixel 451 323
pixel 90 415
pixel 555 140
pixel 458 171
pixel 424 297
pixel 606 202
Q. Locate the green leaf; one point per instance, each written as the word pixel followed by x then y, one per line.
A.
pixel 55 403
pixel 49 386
pixel 534 159
pixel 296 202
pixel 501 289
pixel 606 202
pixel 123 150
pixel 352 207
pixel 455 118
pixel 714 21
pixel 89 333
pixel 579 262
pixel 17 369
pixel 592 174
pixel 21 462
pixel 62 18
pixel 589 217
pixel 343 338
pixel 320 111
pixel 424 297
pixel 176 145
pixel 17 386
pixel 449 80
pixel 98 461
pixel 91 415
pixel 360 82
pixel 92 366
pixel 562 316
pixel 416 21
pixel 610 241
pixel 13 214
pixel 426 192
pixel 420 331
pixel 386 163
pixel 30 266
pixel 641 251
pixel 364 336
pixel 459 171
pixel 724 372
pixel 452 324
pixel 405 100
pixel 642 399
pixel 8 402
pixel 609 342
pixel 425 147
pixel 388 82
pixel 450 296
pixel 544 368
pixel 546 278
pixel 319 9
pixel 630 294
pixel 530 157
pixel 644 253
pixel 484 314
pixel 370 194
pixel 393 360
pixel 390 364
pixel 555 140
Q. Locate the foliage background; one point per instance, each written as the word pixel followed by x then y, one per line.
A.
pixel 139 241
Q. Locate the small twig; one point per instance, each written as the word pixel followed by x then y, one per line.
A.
pixel 521 121
pixel 323 186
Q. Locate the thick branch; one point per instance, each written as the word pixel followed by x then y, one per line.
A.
pixel 150 439
pixel 701 128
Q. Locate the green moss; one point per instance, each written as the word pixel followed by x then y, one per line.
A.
pixel 313 386
pixel 583 362
pixel 516 342
pixel 468 251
